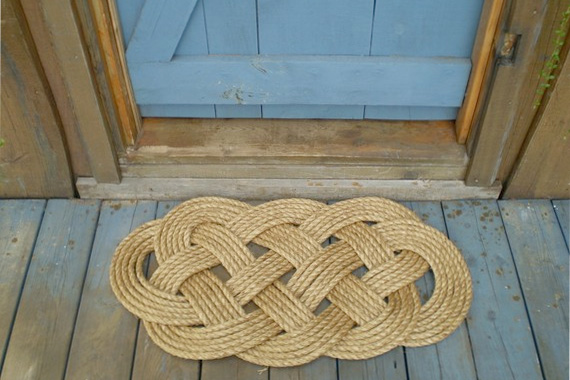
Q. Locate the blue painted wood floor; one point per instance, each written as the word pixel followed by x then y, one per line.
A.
pixel 59 319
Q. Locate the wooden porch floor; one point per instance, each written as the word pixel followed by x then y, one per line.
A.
pixel 59 319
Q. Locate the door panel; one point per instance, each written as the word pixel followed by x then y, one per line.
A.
pixel 300 59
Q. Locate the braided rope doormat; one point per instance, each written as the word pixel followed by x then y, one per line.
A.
pixel 191 313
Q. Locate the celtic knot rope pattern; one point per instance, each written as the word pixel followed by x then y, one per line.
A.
pixel 191 313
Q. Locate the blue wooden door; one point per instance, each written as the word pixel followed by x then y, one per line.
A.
pixel 345 59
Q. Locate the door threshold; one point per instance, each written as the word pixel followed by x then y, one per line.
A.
pixel 267 189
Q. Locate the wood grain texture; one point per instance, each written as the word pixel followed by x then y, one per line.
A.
pixel 327 142
pixel 46 315
pixel 105 332
pixel 452 358
pixel 57 82
pixel 158 30
pixel 101 82
pixel 182 188
pixel 301 80
pixel 432 171
pixel 509 110
pixel 33 161
pixel 481 59
pixel 232 368
pixel 19 224
pixel 498 322
pixel 541 258
pixel 562 208
pixel 539 171
pixel 390 365
pixel 56 29
pixel 324 368
pixel 150 361
pixel 109 54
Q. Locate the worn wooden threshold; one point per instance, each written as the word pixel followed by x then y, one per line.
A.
pixel 252 188
pixel 308 149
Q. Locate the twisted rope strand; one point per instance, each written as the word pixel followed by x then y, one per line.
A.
pixel 191 313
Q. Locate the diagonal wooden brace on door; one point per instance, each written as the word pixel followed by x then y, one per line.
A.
pixel 159 29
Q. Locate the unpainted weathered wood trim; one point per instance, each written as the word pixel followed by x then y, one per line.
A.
pixel 54 23
pixel 258 141
pixel 34 159
pixel 542 168
pixel 431 171
pixel 106 32
pixel 481 60
pixel 182 188
pixel 509 110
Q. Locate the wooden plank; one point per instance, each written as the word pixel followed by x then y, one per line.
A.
pixel 410 113
pixel 509 109
pixel 324 368
pixel 158 30
pixel 94 52
pixel 232 29
pixel 33 162
pixel 128 12
pixel 182 188
pixel 303 111
pixel 498 322
pixel 105 332
pixel 562 208
pixel 193 41
pixel 19 224
pixel 305 141
pixel 390 365
pixel 451 358
pixel 232 368
pixel 176 110
pixel 50 298
pixel 300 27
pixel 100 26
pixel 539 171
pixel 439 28
pixel 237 111
pixel 302 80
pixel 150 361
pixel 57 84
pixel 481 58
pixel 315 171
pixel 541 258
pixel 55 27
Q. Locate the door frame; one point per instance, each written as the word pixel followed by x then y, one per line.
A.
pixel 112 134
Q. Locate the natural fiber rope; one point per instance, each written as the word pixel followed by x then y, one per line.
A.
pixel 191 313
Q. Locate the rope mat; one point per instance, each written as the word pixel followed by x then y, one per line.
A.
pixel 191 313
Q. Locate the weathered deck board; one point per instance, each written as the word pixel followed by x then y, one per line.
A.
pixel 451 358
pixel 522 268
pixel 105 332
pixel 19 224
pixel 151 362
pixel 46 315
pixel 562 208
pixel 541 261
pixel 497 321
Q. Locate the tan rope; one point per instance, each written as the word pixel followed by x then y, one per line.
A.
pixel 192 313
